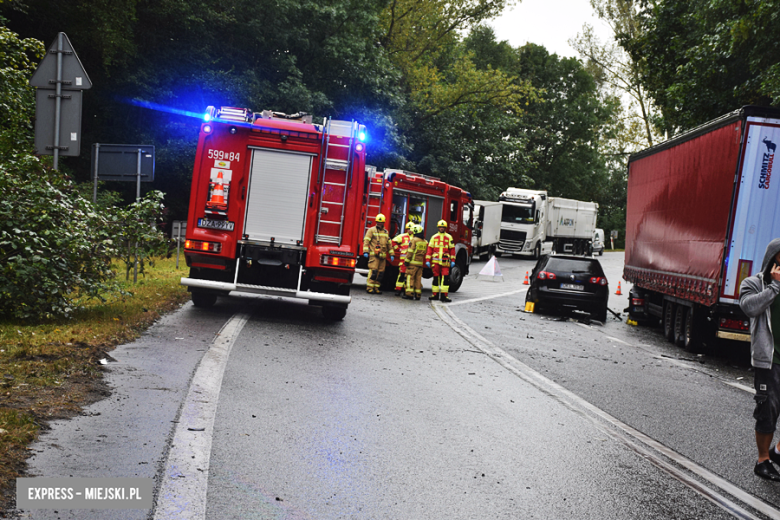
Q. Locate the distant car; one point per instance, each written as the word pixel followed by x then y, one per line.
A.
pixel 598 242
pixel 566 283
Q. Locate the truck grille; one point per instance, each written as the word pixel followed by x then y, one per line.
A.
pixel 511 240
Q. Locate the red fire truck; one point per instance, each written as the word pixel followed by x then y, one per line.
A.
pixel 275 208
pixel 403 196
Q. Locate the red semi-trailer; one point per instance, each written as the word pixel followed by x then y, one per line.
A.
pixel 276 208
pixel 701 209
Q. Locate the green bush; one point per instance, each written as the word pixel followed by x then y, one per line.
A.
pixel 55 249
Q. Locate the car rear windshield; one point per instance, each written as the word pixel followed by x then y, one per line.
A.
pixel 572 265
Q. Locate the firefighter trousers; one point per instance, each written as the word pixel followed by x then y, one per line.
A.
pixel 376 271
pixel 441 279
pixel 414 280
pixel 400 282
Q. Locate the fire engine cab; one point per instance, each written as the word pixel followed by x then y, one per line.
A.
pixel 275 208
pixel 403 196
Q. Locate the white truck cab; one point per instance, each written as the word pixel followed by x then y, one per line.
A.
pixel 523 222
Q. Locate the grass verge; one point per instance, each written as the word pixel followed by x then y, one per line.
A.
pixel 50 370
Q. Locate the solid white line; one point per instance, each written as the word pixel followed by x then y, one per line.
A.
pixel 461 302
pixel 185 479
pixel 635 439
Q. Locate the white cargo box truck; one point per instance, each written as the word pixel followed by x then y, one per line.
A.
pixel 486 228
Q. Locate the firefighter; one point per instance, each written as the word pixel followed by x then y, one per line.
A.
pixel 377 247
pixel 400 245
pixel 440 253
pixel 414 259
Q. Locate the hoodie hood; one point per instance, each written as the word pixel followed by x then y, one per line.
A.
pixel 771 251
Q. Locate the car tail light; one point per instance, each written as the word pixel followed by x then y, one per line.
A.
pixel 735 324
pixel 337 261
pixel 638 302
pixel 198 245
pixel 544 275
pixel 598 280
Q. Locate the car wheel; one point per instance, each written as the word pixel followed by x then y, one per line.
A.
pixel 601 253
pixel 601 315
pixel 668 321
pixel 679 325
pixel 537 251
pixel 203 299
pixel 332 313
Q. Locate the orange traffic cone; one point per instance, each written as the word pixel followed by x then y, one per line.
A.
pixel 218 194
pixel 618 290
pixel 525 282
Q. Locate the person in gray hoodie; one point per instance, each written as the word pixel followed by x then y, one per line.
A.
pixel 758 300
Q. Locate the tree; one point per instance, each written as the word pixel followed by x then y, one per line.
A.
pixel 17 98
pixel 701 59
pixel 616 73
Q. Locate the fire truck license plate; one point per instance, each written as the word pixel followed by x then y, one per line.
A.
pixel 223 225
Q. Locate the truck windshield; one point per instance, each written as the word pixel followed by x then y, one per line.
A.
pixel 517 214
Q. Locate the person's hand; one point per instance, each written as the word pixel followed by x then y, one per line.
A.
pixel 365 255
pixel 427 264
pixel 775 273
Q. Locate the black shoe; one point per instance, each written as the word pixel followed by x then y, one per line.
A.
pixel 434 297
pixel 445 299
pixel 767 471
pixel 774 456
pixel 417 297
pixel 399 293
pixel 406 297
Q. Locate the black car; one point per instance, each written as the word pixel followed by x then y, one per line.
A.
pixel 567 283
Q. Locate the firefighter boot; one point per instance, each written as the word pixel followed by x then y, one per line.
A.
pixel 407 297
pixel 434 296
pixel 445 299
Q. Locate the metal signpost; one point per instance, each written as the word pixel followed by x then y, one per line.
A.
pixel 123 162
pixel 178 231
pixel 60 79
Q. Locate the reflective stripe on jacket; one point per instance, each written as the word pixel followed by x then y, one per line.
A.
pixel 377 242
pixel 441 249
pixel 415 254
pixel 401 244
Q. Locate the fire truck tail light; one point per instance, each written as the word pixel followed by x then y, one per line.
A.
pixel 359 147
pixel 198 245
pixel 337 261
pixel 207 129
pixel 638 302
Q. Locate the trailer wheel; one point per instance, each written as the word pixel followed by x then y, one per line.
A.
pixel 333 313
pixel 203 299
pixel 679 325
pixel 668 321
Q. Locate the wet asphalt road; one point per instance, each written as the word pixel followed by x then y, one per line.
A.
pixel 393 413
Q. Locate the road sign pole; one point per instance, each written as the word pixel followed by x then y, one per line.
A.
pixel 137 199
pixel 94 186
pixel 58 103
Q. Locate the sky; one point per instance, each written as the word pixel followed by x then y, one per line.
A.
pixel 550 23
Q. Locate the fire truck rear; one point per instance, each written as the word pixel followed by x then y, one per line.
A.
pixel 275 208
pixel 404 196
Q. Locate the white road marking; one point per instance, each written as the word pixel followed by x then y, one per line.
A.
pixel 461 302
pixel 185 479
pixel 636 440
